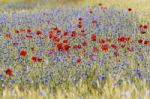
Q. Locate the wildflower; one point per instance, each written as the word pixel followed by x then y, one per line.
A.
pixel 121 39
pixel 28 30
pixel 78 60
pixel 105 47
pixel 73 34
pixel 146 42
pixel 94 21
pixel 9 72
pixel 17 31
pixel 129 9
pixel 140 41
pixel 66 47
pixel 101 41
pixel 8 36
pixel 23 53
pixel 38 32
pixel 79 26
pixel 84 44
pixel 93 37
pixel 114 46
pixel 59 46
pixel 80 18
pixel 65 41
pixel 65 33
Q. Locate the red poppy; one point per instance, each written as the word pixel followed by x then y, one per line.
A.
pixel 145 26
pixel 66 47
pixel 146 42
pixel 23 53
pixel 75 47
pixel 38 32
pixel 101 41
pixel 84 44
pixel 140 41
pixel 59 46
pixel 123 45
pixel 105 47
pixel 28 30
pixel 78 60
pixel 94 21
pixel 56 39
pixel 8 36
pixel 121 39
pixel 114 46
pixel 79 26
pixel 34 59
pixel 9 72
pixel 73 34
pixel 93 37
pixel 129 9
pixel 65 41
pixel 65 33
pixel 128 39
pixel 17 31
pixel 95 49
pixel 29 37
pixel 80 18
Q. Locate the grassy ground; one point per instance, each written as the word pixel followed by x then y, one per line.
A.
pixel 110 90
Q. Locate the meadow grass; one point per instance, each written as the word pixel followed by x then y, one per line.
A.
pixel 111 88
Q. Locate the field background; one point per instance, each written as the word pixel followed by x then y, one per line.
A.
pixel 140 6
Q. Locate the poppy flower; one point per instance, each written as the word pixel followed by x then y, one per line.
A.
pixel 84 44
pixel 93 37
pixel 28 36
pixel 75 46
pixel 123 45
pixel 78 60
pixel 66 47
pixel 140 41
pixel 8 36
pixel 73 34
pixel 129 9
pixel 94 21
pixel 65 33
pixel 79 26
pixel 9 72
pixel 17 31
pixel 80 18
pixel 145 26
pixel 101 41
pixel 59 46
pixel 56 39
pixel 65 41
pixel 105 47
pixel 28 30
pixel 114 46
pixel 38 32
pixel 23 53
pixel 34 59
pixel 121 39
pixel 146 42
pixel 95 49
